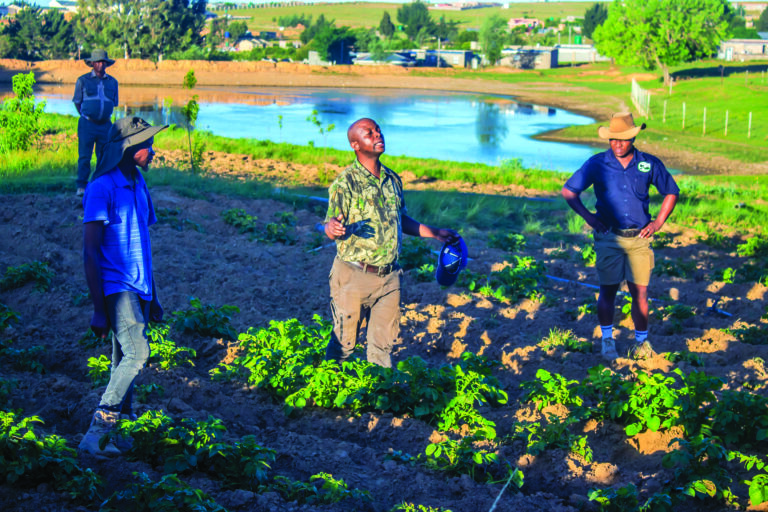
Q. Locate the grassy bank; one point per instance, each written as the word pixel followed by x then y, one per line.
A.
pixel 711 204
pixel 743 90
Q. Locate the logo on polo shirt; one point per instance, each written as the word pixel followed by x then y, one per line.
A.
pixel 643 167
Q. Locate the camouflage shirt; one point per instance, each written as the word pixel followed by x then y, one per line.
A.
pixel 372 211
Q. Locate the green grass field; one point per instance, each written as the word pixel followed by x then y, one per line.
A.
pixel 740 93
pixel 366 15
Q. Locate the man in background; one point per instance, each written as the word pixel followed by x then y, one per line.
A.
pixel 95 98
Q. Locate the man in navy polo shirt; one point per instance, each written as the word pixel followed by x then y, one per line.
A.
pixel 621 177
pixel 118 269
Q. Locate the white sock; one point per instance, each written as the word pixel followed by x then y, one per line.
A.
pixel 607 331
pixel 641 336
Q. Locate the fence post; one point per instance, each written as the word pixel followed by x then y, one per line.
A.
pixel 683 115
pixel 664 114
pixel 749 127
pixel 726 123
pixel 704 123
pixel 648 104
pixel 746 77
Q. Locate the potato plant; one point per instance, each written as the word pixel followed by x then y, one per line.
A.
pixel 169 493
pixel 509 242
pixel 36 272
pixel 512 284
pixel 22 359
pixel 287 360
pixel 29 458
pixel 185 446
pixel 99 370
pixel 206 320
pixel 322 489
pixel 164 352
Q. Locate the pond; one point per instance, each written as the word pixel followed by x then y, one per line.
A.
pixel 430 124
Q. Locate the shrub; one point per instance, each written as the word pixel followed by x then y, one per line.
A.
pixel 20 117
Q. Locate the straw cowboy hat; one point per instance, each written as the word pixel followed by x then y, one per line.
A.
pixel 622 127
pixel 98 55
pixel 125 133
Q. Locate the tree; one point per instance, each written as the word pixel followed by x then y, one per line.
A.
pixel 237 29
pixel 446 30
pixel 415 17
pixel 762 22
pixel 661 33
pixel 365 38
pixel 59 34
pixel 492 36
pixel 594 17
pixel 333 43
pixel 140 28
pixel 378 51
pixel 309 32
pixel 34 35
pixel 386 27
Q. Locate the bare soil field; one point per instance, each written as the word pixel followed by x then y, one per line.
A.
pixel 196 254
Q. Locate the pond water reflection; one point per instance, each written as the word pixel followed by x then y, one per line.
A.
pixel 449 126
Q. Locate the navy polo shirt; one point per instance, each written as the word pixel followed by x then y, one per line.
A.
pixel 622 194
pixel 127 212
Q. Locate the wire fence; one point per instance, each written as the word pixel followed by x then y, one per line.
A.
pixel 641 98
pixel 716 119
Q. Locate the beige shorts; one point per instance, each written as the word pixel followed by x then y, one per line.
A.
pixel 623 259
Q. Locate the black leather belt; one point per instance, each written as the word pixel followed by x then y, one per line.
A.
pixel 373 269
pixel 626 233
pixel 94 121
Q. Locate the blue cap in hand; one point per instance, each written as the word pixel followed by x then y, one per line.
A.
pixel 451 261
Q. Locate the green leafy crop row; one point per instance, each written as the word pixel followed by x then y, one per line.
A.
pixel 287 360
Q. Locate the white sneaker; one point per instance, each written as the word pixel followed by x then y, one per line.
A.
pixel 609 349
pixel 642 351
pixel 101 424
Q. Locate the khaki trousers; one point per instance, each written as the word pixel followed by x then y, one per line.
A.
pixel 355 295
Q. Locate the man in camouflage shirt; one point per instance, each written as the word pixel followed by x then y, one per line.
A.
pixel 366 217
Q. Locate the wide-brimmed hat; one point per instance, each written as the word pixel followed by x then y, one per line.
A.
pixel 451 260
pixel 99 55
pixel 125 133
pixel 622 127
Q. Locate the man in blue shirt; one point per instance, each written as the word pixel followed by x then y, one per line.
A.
pixel 621 177
pixel 95 98
pixel 118 269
